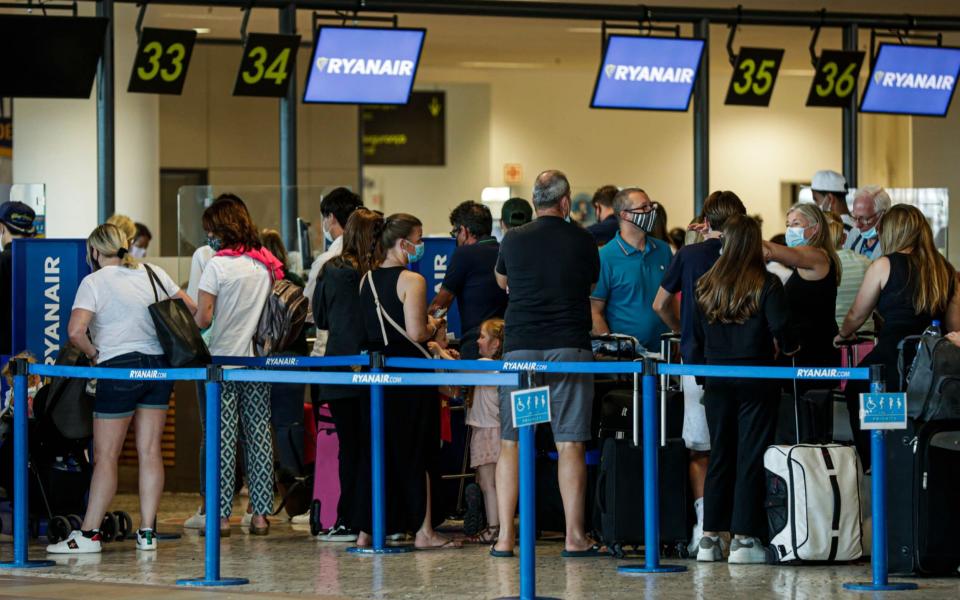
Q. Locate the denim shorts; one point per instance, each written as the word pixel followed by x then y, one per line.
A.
pixel 118 399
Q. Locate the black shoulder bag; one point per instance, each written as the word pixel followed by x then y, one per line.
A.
pixel 177 332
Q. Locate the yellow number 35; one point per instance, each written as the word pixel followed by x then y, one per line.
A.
pixel 154 51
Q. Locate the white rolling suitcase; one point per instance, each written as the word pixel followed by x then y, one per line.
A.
pixel 813 503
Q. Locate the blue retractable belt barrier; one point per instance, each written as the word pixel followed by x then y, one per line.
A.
pixel 373 378
pixel 21 505
pixel 119 374
pixel 518 366
pixel 739 372
pixel 293 362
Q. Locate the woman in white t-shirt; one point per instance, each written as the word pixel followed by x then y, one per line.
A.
pixel 111 324
pixel 232 292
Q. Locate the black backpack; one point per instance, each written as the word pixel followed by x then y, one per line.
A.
pixel 64 402
pixel 282 319
pixel 933 382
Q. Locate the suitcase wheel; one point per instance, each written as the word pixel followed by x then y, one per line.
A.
pixel 124 526
pixel 680 550
pixel 75 521
pixel 616 550
pixel 58 529
pixel 315 517
pixel 108 527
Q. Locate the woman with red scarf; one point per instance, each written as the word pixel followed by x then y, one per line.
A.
pixel 232 292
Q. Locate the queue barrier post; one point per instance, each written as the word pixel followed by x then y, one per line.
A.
pixel 211 567
pixel 21 506
pixel 651 479
pixel 377 470
pixel 878 496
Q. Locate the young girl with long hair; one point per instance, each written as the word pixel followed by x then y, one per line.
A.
pixel 741 319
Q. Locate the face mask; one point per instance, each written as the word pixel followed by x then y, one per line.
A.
pixel 215 243
pixel 327 238
pixel 643 220
pixel 138 252
pixel 795 237
pixel 417 253
pixel 869 234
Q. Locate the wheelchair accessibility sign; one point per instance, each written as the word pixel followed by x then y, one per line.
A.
pixel 883 411
pixel 531 406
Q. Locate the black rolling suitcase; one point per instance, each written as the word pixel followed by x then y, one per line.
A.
pixel 923 498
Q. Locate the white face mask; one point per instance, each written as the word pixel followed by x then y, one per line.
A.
pixel 138 252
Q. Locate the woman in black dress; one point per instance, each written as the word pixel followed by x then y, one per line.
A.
pixel 811 293
pixel 337 309
pixel 394 305
pixel 909 287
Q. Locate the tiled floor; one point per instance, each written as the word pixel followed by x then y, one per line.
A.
pixel 289 562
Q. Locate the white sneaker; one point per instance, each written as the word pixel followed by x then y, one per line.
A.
pixel 246 520
pixel 711 549
pixel 303 519
pixel 747 551
pixel 196 521
pixel 337 533
pixel 76 543
pixel 694 544
pixel 146 539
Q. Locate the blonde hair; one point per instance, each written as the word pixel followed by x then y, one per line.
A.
pixel 495 328
pixel 903 227
pixel 109 241
pixel 126 225
pixel 823 238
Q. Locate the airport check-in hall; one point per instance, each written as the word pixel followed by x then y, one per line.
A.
pixel 479 299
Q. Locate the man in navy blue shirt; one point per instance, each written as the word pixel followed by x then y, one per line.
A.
pixel 607 223
pixel 470 277
pixel 689 264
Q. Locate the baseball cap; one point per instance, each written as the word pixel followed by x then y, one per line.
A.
pixel 18 217
pixel 829 181
pixel 516 211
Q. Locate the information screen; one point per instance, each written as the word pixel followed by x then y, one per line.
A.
pixel 357 65
pixel 49 57
pixel 647 73
pixel 912 80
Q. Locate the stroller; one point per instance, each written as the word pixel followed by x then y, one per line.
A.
pixel 59 468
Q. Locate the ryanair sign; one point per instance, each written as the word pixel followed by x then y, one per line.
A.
pixel 912 80
pixel 647 73
pixel 363 65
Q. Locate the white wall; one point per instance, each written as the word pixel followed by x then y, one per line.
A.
pixel 55 143
pixel 431 192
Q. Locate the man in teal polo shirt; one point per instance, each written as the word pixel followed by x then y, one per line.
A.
pixel 632 266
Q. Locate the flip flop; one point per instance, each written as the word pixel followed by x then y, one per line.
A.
pixel 500 553
pixel 447 545
pixel 593 551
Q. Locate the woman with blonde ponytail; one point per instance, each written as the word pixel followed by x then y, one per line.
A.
pixel 910 287
pixel 112 326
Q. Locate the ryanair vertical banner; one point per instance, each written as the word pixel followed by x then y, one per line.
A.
pixel 437 252
pixel 46 275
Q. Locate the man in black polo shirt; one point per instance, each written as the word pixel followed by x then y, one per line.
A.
pixel 549 266
pixel 469 276
pixel 16 221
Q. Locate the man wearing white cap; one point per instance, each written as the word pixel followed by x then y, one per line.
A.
pixel 829 193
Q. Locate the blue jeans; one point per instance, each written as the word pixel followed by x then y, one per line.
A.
pixel 119 399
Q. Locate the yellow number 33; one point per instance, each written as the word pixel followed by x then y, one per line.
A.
pixel 154 51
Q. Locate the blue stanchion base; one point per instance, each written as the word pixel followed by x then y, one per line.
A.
pixel 872 587
pixel 222 582
pixel 166 536
pixel 30 564
pixel 534 598
pixel 641 569
pixel 385 550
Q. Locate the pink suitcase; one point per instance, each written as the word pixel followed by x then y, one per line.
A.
pixel 326 474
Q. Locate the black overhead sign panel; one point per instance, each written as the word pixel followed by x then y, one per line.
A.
pixel 835 79
pixel 162 60
pixel 754 75
pixel 410 134
pixel 268 62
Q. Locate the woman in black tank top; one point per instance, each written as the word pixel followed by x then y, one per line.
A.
pixel 909 287
pixel 811 293
pixel 394 307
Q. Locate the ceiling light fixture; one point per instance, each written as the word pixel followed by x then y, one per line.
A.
pixel 201 30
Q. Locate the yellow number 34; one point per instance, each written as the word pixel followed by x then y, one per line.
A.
pixel 154 52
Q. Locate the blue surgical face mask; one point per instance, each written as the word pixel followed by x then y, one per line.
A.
pixel 795 237
pixel 417 253
pixel 869 234
pixel 215 243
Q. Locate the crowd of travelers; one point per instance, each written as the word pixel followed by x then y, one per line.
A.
pixel 538 292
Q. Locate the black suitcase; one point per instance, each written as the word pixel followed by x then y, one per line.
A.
pixel 616 414
pixel 549 503
pixel 923 520
pixel 620 497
